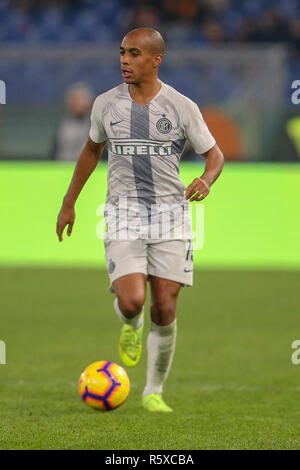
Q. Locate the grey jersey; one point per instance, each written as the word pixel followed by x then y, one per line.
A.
pixel 145 144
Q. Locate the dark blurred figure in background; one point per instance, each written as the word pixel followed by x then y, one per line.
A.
pixel 295 35
pixel 144 15
pixel 275 27
pixel 74 126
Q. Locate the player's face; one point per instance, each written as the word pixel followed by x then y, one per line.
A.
pixel 137 62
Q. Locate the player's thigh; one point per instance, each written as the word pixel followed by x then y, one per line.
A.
pixel 163 290
pixel 126 262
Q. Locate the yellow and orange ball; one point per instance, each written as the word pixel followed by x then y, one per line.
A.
pixel 104 385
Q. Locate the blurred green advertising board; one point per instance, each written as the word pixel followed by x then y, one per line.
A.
pixel 251 216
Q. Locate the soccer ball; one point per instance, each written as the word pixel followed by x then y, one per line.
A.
pixel 104 385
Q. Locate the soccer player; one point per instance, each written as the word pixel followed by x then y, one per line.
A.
pixel 145 123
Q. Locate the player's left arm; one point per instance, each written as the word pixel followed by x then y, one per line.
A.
pixel 200 186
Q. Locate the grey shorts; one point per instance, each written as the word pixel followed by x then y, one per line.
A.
pixel 168 259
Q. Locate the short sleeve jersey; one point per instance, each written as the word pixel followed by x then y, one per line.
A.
pixel 145 143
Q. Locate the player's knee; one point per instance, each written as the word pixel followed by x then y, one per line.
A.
pixel 163 311
pixel 131 305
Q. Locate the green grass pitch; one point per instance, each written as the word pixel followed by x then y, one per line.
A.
pixel 232 384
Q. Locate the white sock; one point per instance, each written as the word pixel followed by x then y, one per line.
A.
pixel 135 322
pixel 161 347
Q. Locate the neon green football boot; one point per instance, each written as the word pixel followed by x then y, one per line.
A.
pixel 130 346
pixel 155 402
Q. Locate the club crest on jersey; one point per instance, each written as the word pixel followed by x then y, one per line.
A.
pixel 163 125
pixel 111 266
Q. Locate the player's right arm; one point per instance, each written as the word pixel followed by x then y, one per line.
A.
pixel 87 162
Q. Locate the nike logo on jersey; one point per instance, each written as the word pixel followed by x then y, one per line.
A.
pixel 114 123
pixel 187 270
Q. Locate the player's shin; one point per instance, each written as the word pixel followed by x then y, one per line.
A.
pixel 161 348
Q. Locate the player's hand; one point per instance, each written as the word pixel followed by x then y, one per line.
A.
pixel 197 190
pixel 66 216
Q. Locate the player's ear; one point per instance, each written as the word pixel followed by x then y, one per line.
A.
pixel 157 60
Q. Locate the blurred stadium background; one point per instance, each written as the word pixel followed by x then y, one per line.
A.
pixel 237 59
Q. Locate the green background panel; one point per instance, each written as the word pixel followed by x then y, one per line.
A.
pixel 251 216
